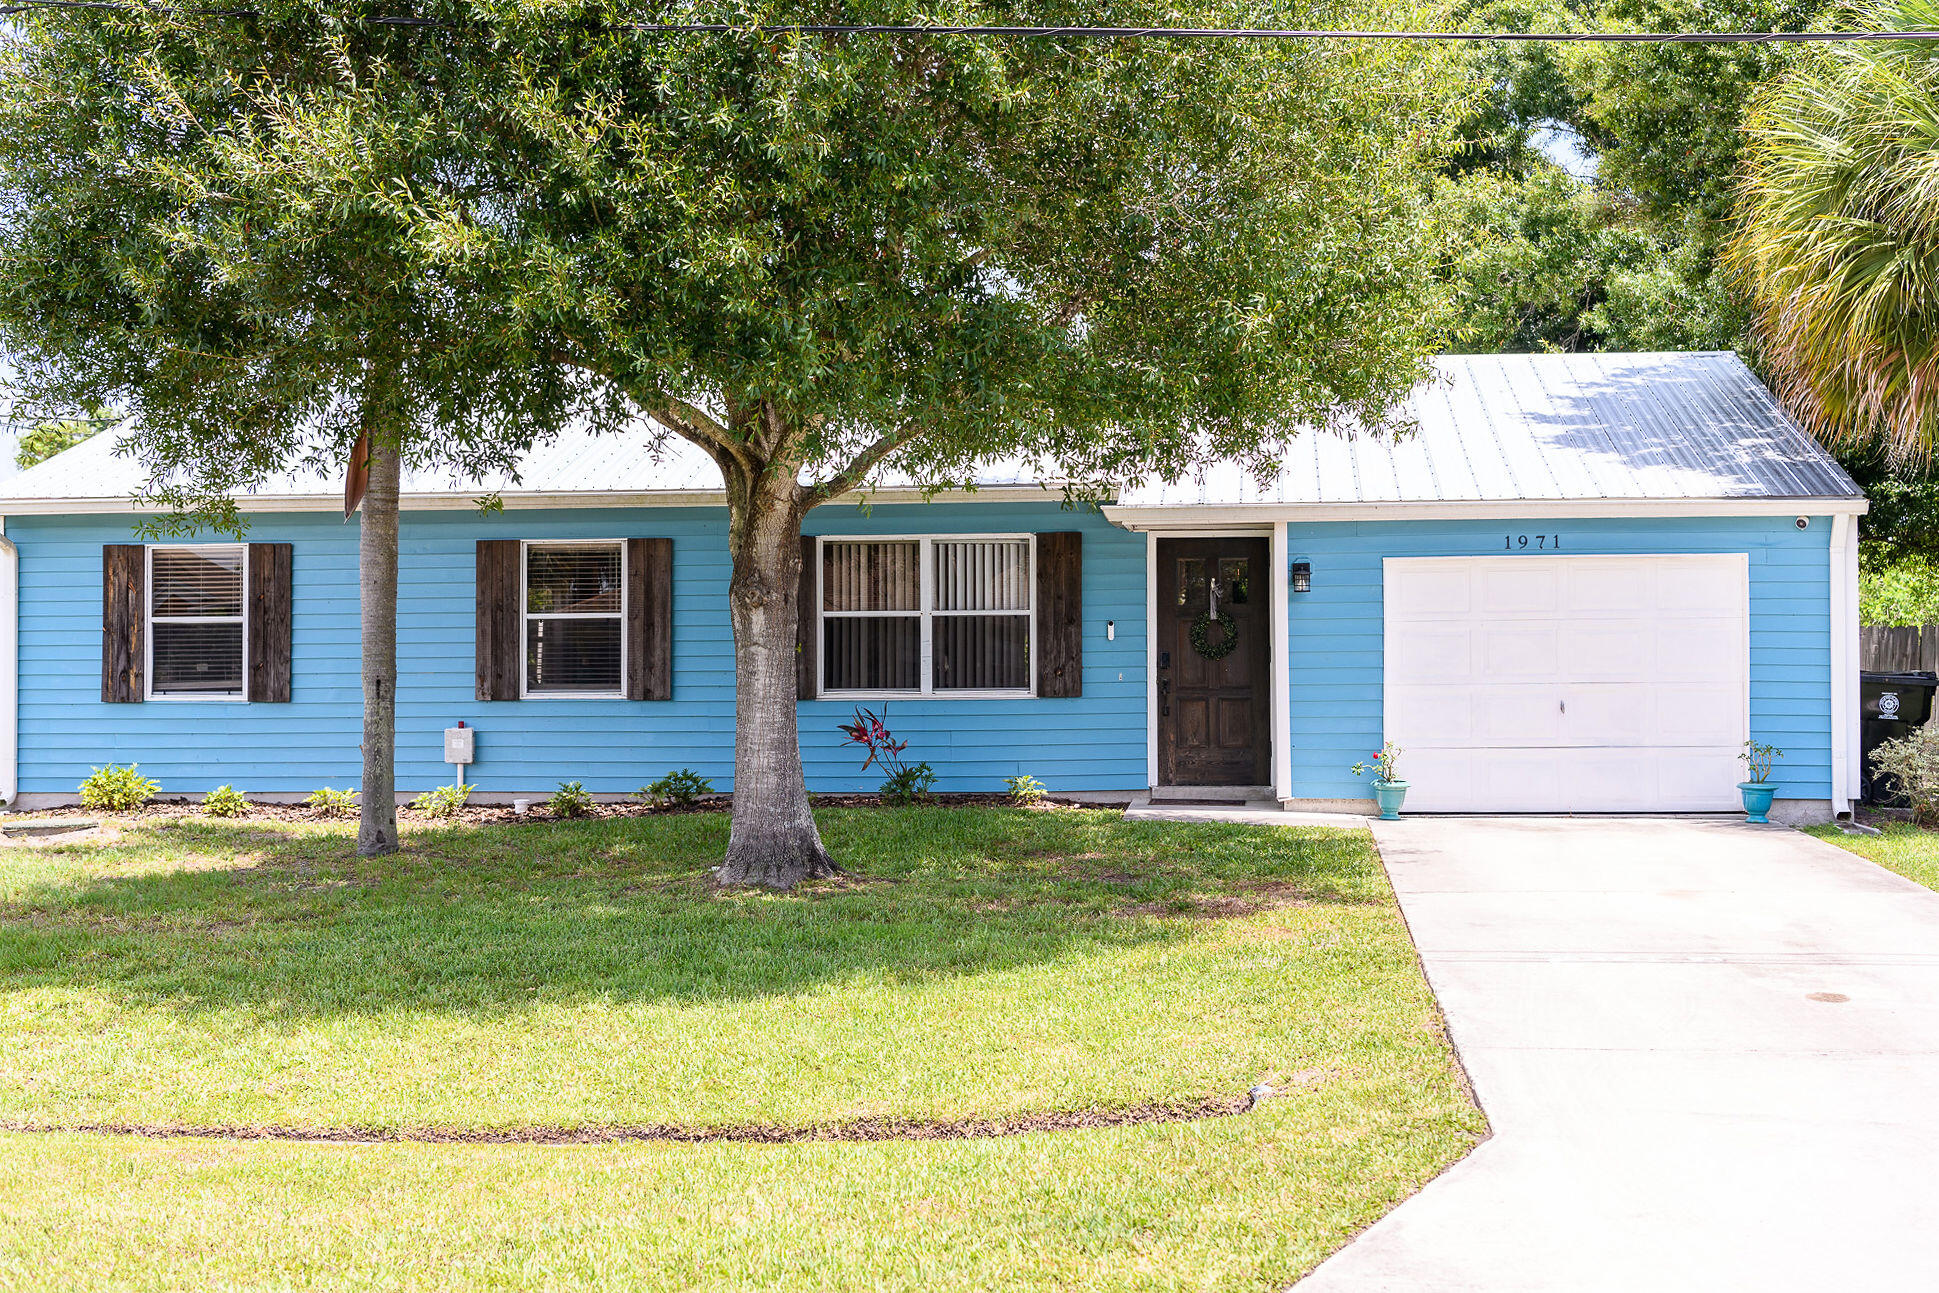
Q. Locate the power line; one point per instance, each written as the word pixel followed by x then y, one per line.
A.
pixel 930 31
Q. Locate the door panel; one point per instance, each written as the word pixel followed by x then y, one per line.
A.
pixel 1213 715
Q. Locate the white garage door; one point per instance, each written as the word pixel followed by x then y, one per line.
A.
pixel 1568 684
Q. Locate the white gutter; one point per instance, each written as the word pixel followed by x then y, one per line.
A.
pixel 1192 515
pixel 9 669
pixel 443 501
pixel 1847 746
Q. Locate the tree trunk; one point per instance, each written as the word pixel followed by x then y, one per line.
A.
pixel 774 842
pixel 377 580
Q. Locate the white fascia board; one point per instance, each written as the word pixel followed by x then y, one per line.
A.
pixel 449 502
pixel 1197 515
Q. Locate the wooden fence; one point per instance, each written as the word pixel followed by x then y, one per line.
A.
pixel 1898 650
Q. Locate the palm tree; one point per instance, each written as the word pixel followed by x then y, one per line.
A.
pixel 1838 236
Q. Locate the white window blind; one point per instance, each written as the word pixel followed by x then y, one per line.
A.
pixel 195 621
pixel 926 616
pixel 574 619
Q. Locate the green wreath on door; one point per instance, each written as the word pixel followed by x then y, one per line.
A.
pixel 1201 633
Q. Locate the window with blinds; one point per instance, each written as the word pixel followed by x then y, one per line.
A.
pixel 195 621
pixel 926 616
pixel 575 629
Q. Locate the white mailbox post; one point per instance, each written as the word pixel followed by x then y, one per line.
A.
pixel 458 748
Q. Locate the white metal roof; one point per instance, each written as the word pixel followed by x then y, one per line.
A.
pixel 1563 430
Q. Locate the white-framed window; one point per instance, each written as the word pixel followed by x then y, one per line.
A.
pixel 945 616
pixel 197 628
pixel 573 594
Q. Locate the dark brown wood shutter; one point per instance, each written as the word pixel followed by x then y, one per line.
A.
pixel 124 588
pixel 269 622
pixel 498 619
pixel 806 630
pixel 649 619
pixel 1060 614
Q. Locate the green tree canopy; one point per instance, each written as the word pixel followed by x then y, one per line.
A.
pixel 819 257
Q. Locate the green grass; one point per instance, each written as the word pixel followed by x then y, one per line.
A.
pixel 1907 849
pixel 987 962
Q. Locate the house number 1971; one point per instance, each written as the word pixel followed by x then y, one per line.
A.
pixel 1546 542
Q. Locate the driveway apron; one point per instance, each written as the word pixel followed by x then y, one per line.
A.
pixel 1709 1052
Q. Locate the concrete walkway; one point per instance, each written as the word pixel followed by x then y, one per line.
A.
pixel 1709 1051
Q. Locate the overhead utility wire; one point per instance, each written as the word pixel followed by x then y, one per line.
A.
pixel 924 31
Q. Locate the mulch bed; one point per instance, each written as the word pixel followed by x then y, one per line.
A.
pixel 170 808
pixel 857 1130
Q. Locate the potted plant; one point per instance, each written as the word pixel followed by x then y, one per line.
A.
pixel 1758 790
pixel 1388 789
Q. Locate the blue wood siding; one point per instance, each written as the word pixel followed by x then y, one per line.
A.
pixel 1095 742
pixel 1335 655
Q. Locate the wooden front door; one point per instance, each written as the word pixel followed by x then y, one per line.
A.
pixel 1214 715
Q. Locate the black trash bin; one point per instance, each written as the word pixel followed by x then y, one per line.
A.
pixel 1892 704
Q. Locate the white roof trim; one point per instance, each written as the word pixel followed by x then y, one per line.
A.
pixel 1197 516
pixel 453 502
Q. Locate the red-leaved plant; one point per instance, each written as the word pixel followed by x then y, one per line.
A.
pixel 906 781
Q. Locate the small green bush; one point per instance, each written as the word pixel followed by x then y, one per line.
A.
pixel 909 784
pixel 117 790
pixel 445 801
pixel 569 800
pixel 1911 763
pixel 224 801
pixel 333 803
pixel 676 789
pixel 1025 790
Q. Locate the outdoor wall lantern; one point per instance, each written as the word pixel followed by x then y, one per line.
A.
pixel 1302 576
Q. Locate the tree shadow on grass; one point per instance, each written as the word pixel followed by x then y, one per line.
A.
pixel 285 922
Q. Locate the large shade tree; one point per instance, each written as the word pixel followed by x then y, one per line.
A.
pixel 1839 236
pixel 822 256
pixel 251 235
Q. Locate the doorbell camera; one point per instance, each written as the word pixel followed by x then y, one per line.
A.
pixel 1804 522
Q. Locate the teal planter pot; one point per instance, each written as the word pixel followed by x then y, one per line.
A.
pixel 1757 799
pixel 1388 795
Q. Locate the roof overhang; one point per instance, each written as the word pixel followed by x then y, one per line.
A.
pixel 1189 516
pixel 565 501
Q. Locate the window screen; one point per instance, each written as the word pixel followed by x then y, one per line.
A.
pixel 574 629
pixel 195 621
pixel 887 628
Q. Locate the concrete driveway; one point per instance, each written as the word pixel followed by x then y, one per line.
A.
pixel 1709 1051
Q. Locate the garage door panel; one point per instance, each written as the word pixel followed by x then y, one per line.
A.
pixel 1511 587
pixel 1520 652
pixel 1569 683
pixel 1427 594
pixel 1435 653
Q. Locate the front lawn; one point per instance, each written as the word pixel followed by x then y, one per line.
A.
pixel 985 966
pixel 1902 847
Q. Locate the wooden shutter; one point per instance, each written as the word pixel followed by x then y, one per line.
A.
pixel 124 588
pixel 1060 614
pixel 807 630
pixel 269 623
pixel 498 619
pixel 649 619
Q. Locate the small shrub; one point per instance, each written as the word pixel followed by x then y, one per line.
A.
pixel 333 803
pixel 1757 760
pixel 117 790
pixel 569 800
pixel 445 801
pixel 908 784
pixel 1385 765
pixel 676 789
pixel 1025 790
pixel 1911 764
pixel 224 801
